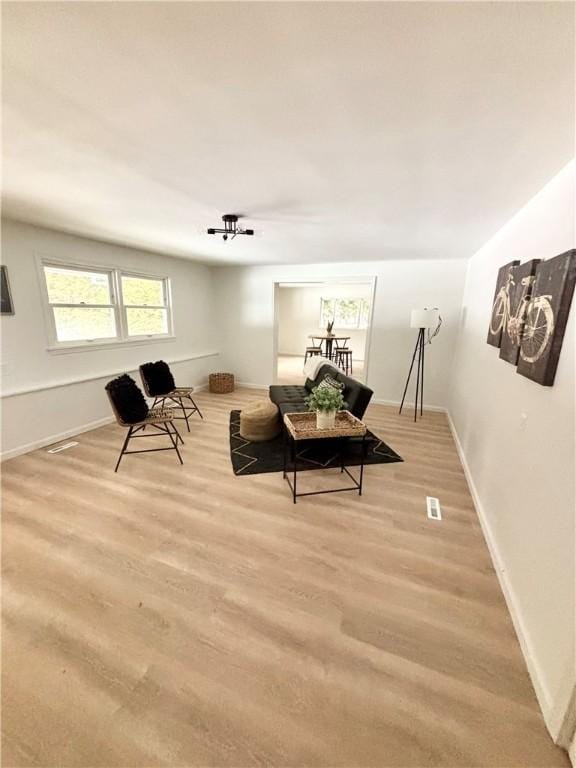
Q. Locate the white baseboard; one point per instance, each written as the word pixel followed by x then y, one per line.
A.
pixel 56 438
pixel 552 717
pixel 408 406
pixel 376 400
pixel 249 385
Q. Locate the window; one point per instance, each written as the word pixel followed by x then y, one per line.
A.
pixel 90 305
pixel 82 304
pixel 345 313
pixel 146 306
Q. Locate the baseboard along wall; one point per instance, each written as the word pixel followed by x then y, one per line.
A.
pixel 57 437
pixel 554 713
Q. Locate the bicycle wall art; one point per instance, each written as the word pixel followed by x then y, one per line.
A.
pixel 530 312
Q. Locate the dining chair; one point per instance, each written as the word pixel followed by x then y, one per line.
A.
pixel 343 358
pixel 314 349
pixel 131 410
pixel 343 355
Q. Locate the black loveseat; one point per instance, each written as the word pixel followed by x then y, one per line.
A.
pixel 290 398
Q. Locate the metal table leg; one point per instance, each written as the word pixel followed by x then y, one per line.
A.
pixel 294 461
pixel 363 459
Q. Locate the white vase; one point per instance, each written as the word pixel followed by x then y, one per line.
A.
pixel 325 419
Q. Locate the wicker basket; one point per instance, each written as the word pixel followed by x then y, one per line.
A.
pixel 221 383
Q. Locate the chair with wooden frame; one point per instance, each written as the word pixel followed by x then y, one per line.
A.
pixel 343 356
pixel 314 350
pixel 158 384
pixel 160 419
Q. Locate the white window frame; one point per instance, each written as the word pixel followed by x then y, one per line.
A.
pixel 167 305
pixel 115 281
pixel 335 299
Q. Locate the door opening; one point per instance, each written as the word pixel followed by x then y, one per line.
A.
pixel 302 314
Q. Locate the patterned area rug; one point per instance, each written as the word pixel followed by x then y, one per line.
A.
pixel 256 458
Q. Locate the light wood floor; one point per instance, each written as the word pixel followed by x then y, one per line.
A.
pixel 181 616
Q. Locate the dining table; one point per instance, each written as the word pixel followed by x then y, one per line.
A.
pixel 329 338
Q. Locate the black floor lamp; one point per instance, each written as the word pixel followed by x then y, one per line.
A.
pixel 424 320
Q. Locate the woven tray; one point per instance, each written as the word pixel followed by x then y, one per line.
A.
pixel 302 426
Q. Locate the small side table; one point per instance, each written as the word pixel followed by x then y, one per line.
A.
pixel 302 426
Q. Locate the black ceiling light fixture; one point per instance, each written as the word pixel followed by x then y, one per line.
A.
pixel 231 228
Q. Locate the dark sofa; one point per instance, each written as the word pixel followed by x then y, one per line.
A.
pixel 290 398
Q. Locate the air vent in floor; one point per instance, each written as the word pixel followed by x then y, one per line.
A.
pixel 63 447
pixel 433 507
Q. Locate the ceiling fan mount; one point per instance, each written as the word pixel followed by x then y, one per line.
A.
pixel 231 228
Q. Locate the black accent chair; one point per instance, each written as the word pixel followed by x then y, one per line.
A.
pixel 291 398
pixel 131 410
pixel 159 384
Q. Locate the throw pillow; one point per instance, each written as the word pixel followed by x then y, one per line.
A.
pixel 158 378
pixel 329 381
pixel 128 399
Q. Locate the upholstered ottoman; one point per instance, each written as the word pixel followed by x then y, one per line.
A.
pixel 260 421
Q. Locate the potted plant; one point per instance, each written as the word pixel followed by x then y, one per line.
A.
pixel 325 401
pixel 329 328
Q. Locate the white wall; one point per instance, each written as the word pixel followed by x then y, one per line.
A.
pixel 523 471
pixel 245 302
pixel 49 394
pixel 299 315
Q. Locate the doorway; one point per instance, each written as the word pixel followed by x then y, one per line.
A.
pixel 304 309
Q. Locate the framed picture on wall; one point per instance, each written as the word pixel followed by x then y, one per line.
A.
pixel 501 304
pixel 6 305
pixel 546 318
pixel 520 290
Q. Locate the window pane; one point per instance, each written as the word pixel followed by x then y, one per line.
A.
pixel 145 322
pixel 141 291
pixel 81 323
pixel 347 313
pixel 326 312
pixel 71 286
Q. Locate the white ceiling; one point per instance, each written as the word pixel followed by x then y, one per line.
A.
pixel 345 131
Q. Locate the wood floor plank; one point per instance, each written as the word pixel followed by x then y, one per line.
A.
pixel 181 616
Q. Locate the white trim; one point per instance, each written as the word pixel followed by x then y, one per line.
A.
pixel 95 377
pixel 166 292
pixel 542 693
pixel 375 400
pixel 66 348
pixel 114 274
pixel 44 441
pixel 56 438
pixel 369 329
pixel 364 280
pixel 48 307
pixel 408 406
pixel 561 719
pixel 248 385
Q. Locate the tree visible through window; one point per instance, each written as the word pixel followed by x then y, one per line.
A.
pixel 81 303
pixel 145 305
pixel 345 313
pixel 91 304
